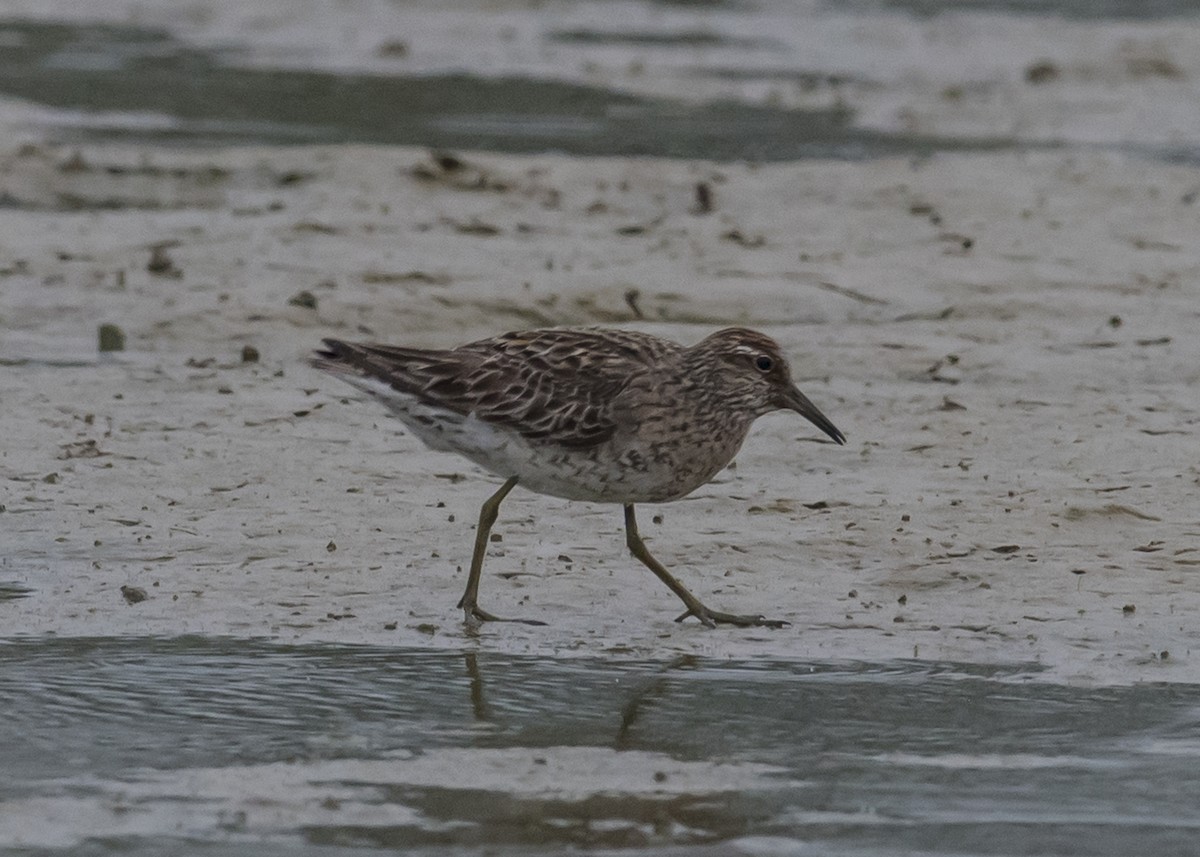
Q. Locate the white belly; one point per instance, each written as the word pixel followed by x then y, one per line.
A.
pixel 611 472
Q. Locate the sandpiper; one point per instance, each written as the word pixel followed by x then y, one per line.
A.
pixel 610 416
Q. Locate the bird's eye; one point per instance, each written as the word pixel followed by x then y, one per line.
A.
pixel 763 363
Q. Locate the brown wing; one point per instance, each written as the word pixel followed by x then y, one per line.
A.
pixel 556 385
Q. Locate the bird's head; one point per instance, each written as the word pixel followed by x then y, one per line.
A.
pixel 754 375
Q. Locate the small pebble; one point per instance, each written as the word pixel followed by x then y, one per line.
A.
pixel 161 264
pixel 133 594
pixel 304 299
pixel 111 338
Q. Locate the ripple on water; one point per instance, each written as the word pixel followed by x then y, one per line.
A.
pixel 130 742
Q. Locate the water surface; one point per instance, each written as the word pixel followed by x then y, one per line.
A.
pixel 127 746
pixel 136 84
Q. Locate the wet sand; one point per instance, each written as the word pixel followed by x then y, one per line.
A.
pixel 227 585
pixel 1007 340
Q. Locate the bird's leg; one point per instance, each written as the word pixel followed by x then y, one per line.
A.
pixel 487 516
pixel 709 618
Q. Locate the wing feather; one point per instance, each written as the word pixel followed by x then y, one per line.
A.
pixel 557 385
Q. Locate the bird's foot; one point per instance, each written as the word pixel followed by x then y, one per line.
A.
pixel 474 615
pixel 713 618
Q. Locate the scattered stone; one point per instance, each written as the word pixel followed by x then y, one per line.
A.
pixel 1042 71
pixel 161 264
pixel 1153 67
pixel 392 49
pixel 303 298
pixel 249 354
pixel 742 240
pixel 74 164
pixel 80 449
pixel 314 226
pixel 458 173
pixel 291 177
pixel 111 338
pixel 422 277
pixel 447 161
pixel 474 226
pixel 133 594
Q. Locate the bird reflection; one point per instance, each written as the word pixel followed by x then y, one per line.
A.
pixel 638 696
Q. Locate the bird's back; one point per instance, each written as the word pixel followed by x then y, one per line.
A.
pixel 555 386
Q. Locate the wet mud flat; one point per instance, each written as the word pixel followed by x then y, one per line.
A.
pixel 133 746
pixel 973 234
pixel 1015 377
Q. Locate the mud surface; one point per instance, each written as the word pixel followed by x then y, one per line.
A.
pixel 227 585
pixel 1015 374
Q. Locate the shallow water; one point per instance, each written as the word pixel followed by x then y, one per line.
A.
pixel 142 85
pixel 718 81
pixel 138 745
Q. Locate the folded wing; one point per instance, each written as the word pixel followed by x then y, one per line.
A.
pixel 549 385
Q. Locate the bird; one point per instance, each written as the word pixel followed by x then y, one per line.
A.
pixel 604 415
